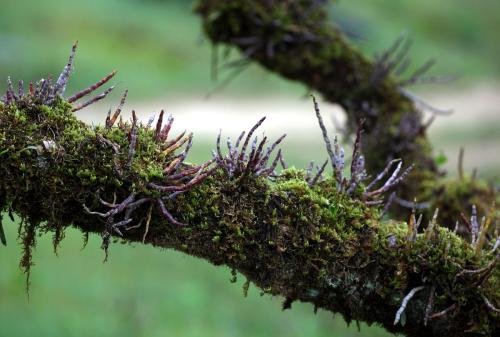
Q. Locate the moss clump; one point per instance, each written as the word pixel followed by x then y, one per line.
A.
pixel 455 198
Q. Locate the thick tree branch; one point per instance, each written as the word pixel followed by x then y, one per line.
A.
pixel 311 240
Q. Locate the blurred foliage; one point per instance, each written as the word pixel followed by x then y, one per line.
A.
pixel 156 46
pixel 461 35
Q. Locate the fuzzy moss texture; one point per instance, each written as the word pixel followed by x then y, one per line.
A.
pixel 311 244
pixel 296 40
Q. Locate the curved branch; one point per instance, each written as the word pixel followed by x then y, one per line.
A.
pixel 296 40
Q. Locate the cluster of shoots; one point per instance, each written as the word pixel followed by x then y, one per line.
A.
pixel 480 242
pixel 45 91
pixel 480 230
pixel 373 192
pixel 248 161
pixel 178 176
pixel 395 61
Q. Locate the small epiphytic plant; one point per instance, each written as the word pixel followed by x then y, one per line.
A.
pixel 240 164
pixel 355 184
pixel 481 242
pixel 177 176
pixel 45 92
pixel 395 61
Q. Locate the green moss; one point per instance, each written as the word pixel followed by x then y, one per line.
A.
pixel 454 197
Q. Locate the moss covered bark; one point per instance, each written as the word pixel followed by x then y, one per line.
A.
pixel 311 244
pixel 296 40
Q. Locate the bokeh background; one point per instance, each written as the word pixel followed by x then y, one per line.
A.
pixel 163 59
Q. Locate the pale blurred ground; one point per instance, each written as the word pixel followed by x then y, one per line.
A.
pixel 474 124
pixel 157 47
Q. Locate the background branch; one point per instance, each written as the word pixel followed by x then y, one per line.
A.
pixel 297 40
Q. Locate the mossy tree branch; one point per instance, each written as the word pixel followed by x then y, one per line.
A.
pixel 296 40
pixel 311 240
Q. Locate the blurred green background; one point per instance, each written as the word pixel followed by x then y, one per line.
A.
pixel 162 57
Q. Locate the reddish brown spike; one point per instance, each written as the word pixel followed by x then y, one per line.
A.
pixel 270 150
pixel 10 88
pixel 318 175
pixel 249 136
pixel 239 139
pixel 134 118
pixel 199 178
pixel 121 124
pixel 356 152
pixel 92 100
pixel 191 171
pixel 177 144
pixel 179 137
pixel 134 123
pixel 132 140
pixel 31 89
pixel 258 153
pixel 9 94
pixel 44 89
pixel 158 127
pixel 170 167
pixel 466 221
pixel 110 121
pixel 20 90
pixel 92 88
pixel 271 169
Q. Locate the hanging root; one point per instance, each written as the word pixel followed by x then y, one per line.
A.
pixel 27 234
pixel 407 299
pixel 2 233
